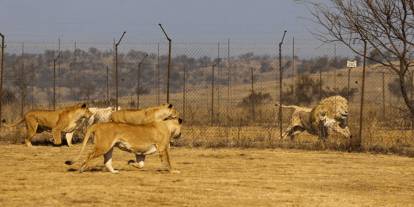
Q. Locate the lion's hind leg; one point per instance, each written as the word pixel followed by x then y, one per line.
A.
pixel 57 136
pixel 138 162
pixel 297 130
pixel 287 132
pixel 108 161
pixel 69 137
pixel 84 165
pixel 31 126
pixel 94 154
pixel 291 131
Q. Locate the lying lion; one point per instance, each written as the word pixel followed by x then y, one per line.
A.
pixel 330 114
pixel 143 116
pixel 98 115
pixel 64 120
pixel 138 139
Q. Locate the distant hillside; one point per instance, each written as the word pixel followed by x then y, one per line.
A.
pixel 81 75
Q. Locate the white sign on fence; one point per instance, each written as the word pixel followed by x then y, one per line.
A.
pixel 351 63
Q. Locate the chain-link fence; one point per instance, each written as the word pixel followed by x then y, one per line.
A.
pixel 226 92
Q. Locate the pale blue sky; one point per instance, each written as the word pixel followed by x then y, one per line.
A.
pixel 98 21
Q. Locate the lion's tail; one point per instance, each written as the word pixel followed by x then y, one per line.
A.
pixel 290 106
pixel 88 134
pixel 15 124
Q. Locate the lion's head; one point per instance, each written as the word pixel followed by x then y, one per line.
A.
pixel 174 126
pixel 336 107
pixel 330 123
pixel 333 108
pixel 163 112
pixel 81 111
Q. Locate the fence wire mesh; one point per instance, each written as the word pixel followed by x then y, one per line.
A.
pixel 225 93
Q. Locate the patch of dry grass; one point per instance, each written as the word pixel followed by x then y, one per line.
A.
pixel 209 177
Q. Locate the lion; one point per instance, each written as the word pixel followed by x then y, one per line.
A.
pixel 141 140
pixel 101 114
pixel 335 107
pixel 331 113
pixel 98 115
pixel 143 116
pixel 62 120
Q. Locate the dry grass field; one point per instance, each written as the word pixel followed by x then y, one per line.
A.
pixel 221 177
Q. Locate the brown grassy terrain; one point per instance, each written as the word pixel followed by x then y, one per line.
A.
pixel 225 177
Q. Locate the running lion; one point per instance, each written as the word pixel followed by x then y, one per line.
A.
pixel 331 113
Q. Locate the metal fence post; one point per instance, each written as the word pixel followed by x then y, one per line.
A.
pixel 361 112
pixel 320 83
pixel 1 75
pixel 228 80
pixel 116 71
pixel 253 95
pixel 54 85
pixel 33 75
pixel 280 85
pixel 349 84
pixel 22 84
pixel 412 85
pixel 218 85
pixel 294 75
pixel 76 79
pixel 169 63
pixel 383 95
pixel 158 74
pixel 335 84
pixel 184 89
pixel 212 94
pixel 412 95
pixel 58 71
pixel 139 78
pixel 107 86
pixel 54 80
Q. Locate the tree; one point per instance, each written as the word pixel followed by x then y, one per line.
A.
pixel 8 97
pixel 374 54
pixel 246 56
pixel 20 80
pixel 87 89
pixel 313 65
pixel 265 67
pixel 255 100
pixel 308 91
pixel 204 61
pixel 94 52
pixel 386 26
pixel 394 86
pixel 306 88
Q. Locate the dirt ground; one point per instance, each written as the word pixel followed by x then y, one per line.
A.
pixel 223 177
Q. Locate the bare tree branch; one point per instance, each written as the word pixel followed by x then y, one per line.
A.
pixel 386 25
